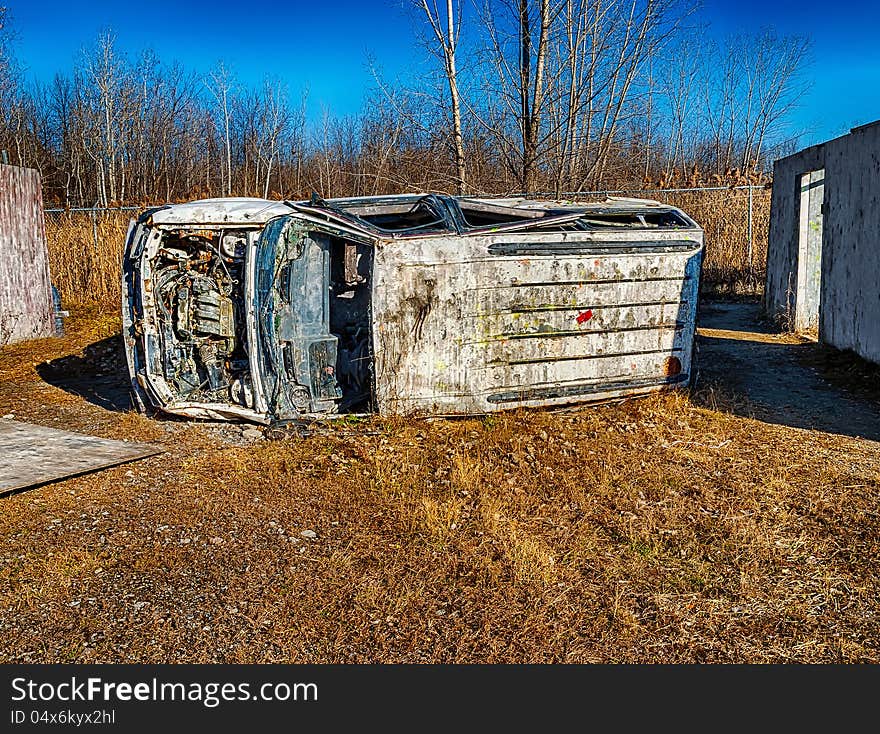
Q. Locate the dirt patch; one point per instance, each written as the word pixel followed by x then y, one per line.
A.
pixel 672 528
pixel 785 378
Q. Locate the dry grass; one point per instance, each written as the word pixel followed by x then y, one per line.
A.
pixel 724 217
pixel 85 249
pixel 656 530
pixel 85 253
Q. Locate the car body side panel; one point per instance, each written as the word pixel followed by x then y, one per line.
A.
pixel 460 326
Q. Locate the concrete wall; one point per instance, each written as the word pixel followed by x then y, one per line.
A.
pixel 849 310
pixel 782 250
pixel 850 307
pixel 26 309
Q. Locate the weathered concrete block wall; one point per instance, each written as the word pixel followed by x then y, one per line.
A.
pixel 850 301
pixel 849 308
pixel 26 309
pixel 782 250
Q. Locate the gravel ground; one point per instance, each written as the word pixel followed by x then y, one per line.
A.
pixel 683 527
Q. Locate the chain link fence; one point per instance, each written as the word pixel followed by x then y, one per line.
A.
pixel 736 223
pixel 85 245
pixel 85 253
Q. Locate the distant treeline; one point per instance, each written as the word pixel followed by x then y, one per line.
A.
pixel 526 95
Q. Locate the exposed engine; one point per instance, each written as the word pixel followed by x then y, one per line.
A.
pixel 198 285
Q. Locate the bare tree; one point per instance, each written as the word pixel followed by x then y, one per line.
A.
pixel 534 95
pixel 531 91
pixel 221 84
pixel 678 84
pixel 275 127
pixel 446 30
pixel 517 39
pixel 631 34
pixel 103 83
pixel 771 66
pixel 6 80
pixel 564 73
pixel 750 85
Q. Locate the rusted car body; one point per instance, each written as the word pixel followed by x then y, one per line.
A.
pixel 415 304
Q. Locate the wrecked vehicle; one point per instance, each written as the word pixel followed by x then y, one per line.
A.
pixel 272 311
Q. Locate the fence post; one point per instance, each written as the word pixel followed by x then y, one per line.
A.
pixel 95 229
pixel 750 228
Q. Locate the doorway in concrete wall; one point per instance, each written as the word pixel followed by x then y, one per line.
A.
pixel 809 269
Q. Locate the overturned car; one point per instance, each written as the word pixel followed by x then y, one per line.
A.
pixel 272 311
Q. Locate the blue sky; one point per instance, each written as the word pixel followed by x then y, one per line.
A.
pixel 324 46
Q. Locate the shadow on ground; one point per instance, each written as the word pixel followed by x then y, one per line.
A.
pixel 99 376
pixel 785 379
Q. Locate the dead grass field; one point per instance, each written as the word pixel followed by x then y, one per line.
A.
pixel 660 530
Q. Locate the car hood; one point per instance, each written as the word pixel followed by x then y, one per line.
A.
pixel 221 211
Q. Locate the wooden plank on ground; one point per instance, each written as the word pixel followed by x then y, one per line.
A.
pixel 32 455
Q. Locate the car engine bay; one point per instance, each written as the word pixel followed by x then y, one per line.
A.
pixel 198 278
